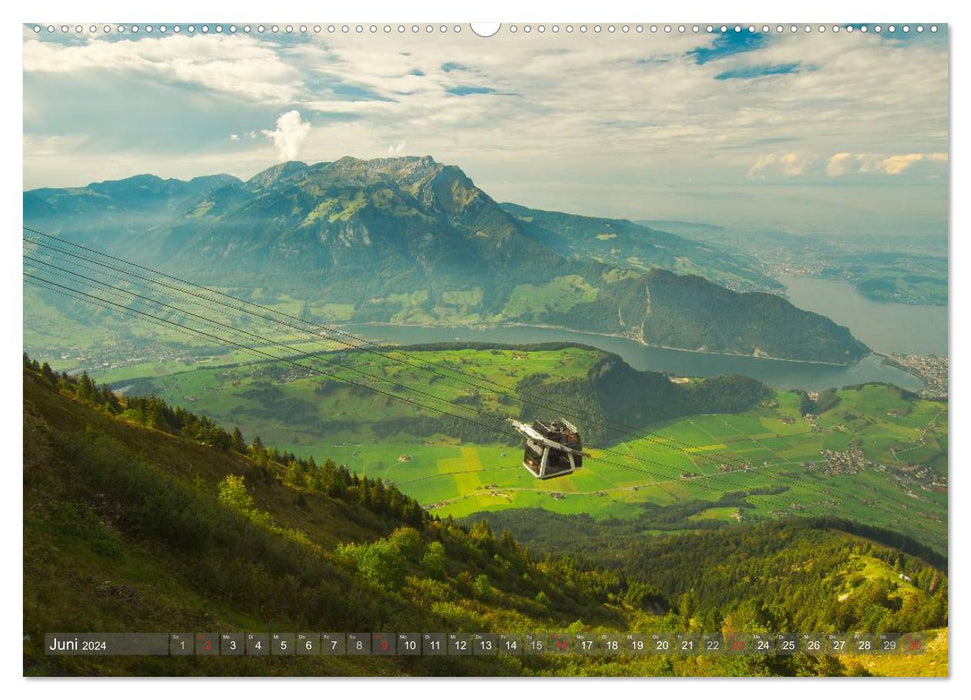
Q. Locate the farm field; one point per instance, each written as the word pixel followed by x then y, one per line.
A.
pixel 878 456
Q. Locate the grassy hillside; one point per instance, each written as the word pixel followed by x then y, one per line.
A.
pixel 719 450
pixel 584 384
pixel 139 517
pixel 129 528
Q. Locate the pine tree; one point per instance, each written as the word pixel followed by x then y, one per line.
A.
pixel 86 388
pixel 49 374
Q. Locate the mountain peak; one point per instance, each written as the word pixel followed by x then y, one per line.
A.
pixel 432 184
pixel 274 174
pixel 405 170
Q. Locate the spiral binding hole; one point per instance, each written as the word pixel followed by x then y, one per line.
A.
pixel 206 29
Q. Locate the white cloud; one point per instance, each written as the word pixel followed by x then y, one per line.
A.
pixel 761 164
pixel 894 165
pixel 641 96
pixel 235 65
pixel 785 164
pixel 875 164
pixel 397 148
pixel 842 163
pixel 290 133
pixel 794 164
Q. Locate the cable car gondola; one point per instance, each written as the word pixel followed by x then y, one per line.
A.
pixel 552 449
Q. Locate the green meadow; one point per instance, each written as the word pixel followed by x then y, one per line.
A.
pixel 770 453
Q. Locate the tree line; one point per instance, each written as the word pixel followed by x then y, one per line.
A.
pixel 329 478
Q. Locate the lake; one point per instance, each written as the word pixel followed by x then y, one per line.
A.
pixel 885 327
pixel 780 374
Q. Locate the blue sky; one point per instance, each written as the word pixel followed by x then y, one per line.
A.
pixel 801 131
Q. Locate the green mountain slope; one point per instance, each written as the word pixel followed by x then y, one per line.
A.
pixel 138 517
pixel 593 388
pixel 817 574
pixel 689 311
pixel 866 453
pixel 410 240
pixel 628 244
pixel 132 528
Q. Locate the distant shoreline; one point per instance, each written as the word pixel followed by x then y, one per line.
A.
pixel 891 361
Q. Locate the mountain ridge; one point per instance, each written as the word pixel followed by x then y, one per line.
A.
pixel 412 240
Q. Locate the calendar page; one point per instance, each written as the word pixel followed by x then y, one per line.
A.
pixel 517 349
